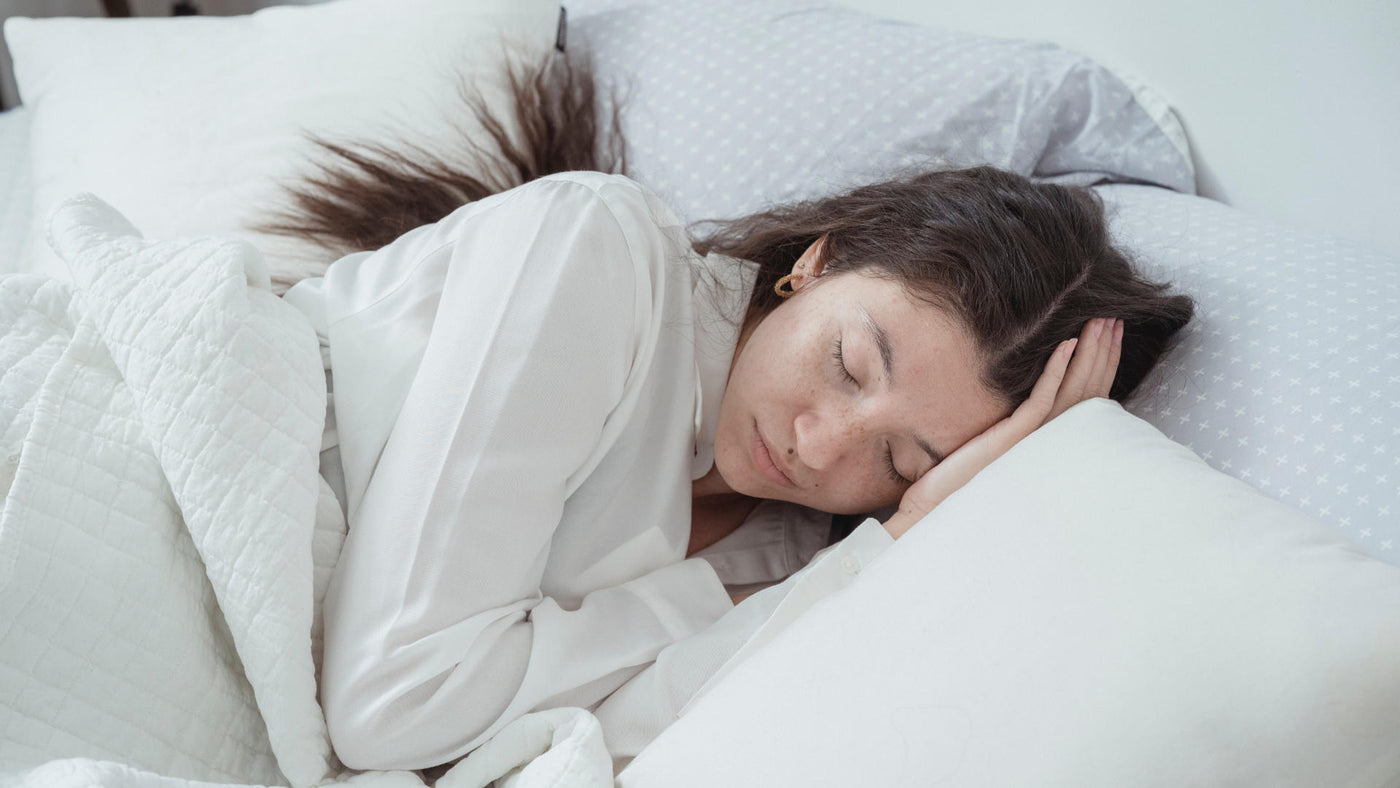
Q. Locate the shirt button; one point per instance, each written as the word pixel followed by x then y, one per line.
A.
pixel 850 565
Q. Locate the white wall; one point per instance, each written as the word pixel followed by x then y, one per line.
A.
pixel 1293 106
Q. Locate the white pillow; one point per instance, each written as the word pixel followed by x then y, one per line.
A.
pixel 1097 608
pixel 184 124
pixel 14 186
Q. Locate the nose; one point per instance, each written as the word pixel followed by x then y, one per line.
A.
pixel 823 439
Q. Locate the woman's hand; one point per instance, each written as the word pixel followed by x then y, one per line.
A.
pixel 1063 384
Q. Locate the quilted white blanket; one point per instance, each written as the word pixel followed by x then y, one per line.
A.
pixel 166 540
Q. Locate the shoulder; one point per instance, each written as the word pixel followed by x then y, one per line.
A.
pixel 605 185
pixel 600 210
pixel 611 218
pixel 632 204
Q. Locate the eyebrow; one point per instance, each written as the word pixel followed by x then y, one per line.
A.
pixel 886 349
pixel 932 452
pixel 882 342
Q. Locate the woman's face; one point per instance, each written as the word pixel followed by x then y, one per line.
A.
pixel 788 398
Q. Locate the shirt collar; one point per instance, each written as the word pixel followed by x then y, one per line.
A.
pixel 720 288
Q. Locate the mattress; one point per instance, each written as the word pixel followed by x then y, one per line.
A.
pixel 14 187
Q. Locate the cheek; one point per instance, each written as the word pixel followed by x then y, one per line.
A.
pixel 856 489
pixel 871 497
pixel 852 504
pixel 732 443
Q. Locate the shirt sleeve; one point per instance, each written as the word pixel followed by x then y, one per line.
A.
pixel 685 670
pixel 437 632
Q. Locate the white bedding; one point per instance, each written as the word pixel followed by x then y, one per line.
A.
pixel 15 191
pixel 144 420
pixel 194 398
pixel 162 419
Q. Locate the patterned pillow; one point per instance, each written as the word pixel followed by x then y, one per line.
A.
pixel 1289 376
pixel 732 104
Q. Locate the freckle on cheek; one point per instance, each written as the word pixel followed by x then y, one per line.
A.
pixel 789 451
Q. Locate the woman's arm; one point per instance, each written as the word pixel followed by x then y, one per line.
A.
pixel 437 631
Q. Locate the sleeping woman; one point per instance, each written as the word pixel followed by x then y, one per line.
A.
pixel 572 438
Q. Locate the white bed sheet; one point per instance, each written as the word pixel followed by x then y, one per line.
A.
pixel 15 188
pixel 160 425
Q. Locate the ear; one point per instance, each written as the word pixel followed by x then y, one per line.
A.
pixel 809 266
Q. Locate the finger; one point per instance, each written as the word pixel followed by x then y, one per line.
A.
pixel 1037 408
pixel 1101 356
pixel 1104 383
pixel 1077 379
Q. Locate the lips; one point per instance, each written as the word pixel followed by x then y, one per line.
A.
pixel 764 460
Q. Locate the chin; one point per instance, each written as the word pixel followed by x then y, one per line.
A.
pixel 745 480
pixel 733 472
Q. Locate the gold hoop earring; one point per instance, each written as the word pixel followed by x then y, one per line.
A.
pixel 788 281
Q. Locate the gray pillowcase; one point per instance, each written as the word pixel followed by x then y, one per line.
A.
pixel 737 104
pixel 1288 378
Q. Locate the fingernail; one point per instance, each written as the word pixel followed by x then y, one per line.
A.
pixel 1118 330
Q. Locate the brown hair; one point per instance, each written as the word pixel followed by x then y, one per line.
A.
pixel 1022 264
pixel 363 195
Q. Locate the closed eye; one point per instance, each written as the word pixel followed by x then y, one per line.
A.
pixel 840 360
pixel 895 475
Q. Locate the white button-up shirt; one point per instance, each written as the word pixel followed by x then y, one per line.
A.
pixel 522 394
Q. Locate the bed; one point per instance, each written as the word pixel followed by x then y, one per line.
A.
pixel 1198 588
